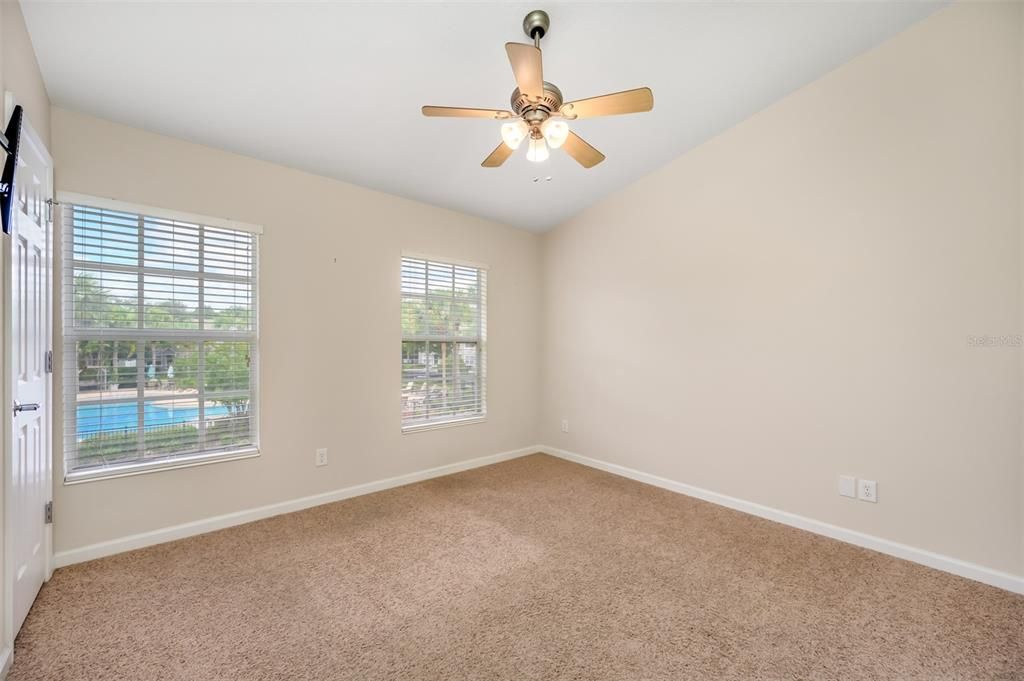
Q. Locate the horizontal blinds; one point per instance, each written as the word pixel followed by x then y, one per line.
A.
pixel 444 322
pixel 160 338
pixel 118 206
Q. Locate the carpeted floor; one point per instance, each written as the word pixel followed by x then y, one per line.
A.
pixel 531 569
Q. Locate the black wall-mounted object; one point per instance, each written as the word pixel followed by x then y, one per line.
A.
pixel 10 141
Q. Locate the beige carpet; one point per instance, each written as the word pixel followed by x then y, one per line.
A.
pixel 531 569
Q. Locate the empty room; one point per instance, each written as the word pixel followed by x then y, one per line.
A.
pixel 472 341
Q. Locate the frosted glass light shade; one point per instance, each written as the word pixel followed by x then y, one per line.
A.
pixel 538 151
pixel 555 131
pixel 513 133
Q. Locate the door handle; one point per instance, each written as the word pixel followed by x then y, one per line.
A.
pixel 18 407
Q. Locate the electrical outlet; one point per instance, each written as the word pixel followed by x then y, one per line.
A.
pixel 867 490
pixel 848 486
pixel 565 425
pixel 321 457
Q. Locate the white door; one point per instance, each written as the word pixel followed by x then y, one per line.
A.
pixel 29 467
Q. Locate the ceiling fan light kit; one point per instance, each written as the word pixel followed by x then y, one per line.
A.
pixel 539 113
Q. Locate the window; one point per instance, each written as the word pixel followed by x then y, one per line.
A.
pixel 160 340
pixel 444 328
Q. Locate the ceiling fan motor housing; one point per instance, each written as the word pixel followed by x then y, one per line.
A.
pixel 537 111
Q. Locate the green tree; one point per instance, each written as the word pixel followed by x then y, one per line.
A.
pixel 96 307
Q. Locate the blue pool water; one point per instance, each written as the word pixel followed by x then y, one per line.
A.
pixel 110 418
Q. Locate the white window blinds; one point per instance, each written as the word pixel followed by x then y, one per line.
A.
pixel 160 340
pixel 444 329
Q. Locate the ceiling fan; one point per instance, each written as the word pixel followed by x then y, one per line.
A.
pixel 538 112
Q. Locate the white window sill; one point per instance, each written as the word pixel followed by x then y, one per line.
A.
pixel 129 469
pixel 418 427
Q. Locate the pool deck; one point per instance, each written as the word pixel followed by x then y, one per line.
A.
pixel 100 395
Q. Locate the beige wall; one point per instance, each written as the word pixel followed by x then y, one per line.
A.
pixel 330 328
pixel 21 70
pixel 792 300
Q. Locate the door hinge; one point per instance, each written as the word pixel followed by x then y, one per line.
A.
pixel 49 361
pixel 48 513
pixel 50 203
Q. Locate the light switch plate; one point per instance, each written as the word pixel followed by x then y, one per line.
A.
pixel 848 486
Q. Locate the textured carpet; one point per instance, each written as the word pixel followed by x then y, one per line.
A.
pixel 531 569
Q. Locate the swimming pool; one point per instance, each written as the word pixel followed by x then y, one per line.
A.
pixel 113 418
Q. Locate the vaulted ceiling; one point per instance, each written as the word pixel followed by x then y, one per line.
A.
pixel 336 88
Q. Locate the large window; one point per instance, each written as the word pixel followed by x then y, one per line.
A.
pixel 444 328
pixel 160 340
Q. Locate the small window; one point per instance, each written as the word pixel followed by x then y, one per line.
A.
pixel 160 341
pixel 444 329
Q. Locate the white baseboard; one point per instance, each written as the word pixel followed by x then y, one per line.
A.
pixel 166 534
pixel 6 657
pixel 1003 580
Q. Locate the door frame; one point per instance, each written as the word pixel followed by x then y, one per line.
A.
pixel 6 400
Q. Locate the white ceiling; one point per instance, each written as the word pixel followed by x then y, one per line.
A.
pixel 336 88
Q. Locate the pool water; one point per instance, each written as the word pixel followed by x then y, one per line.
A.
pixel 112 418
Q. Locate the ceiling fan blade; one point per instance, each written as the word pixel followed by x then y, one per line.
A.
pixel 630 101
pixel 526 65
pixel 586 155
pixel 460 112
pixel 498 156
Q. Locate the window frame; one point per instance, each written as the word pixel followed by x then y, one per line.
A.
pixel 66 268
pixel 481 340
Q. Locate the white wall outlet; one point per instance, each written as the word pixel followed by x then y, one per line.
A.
pixel 867 490
pixel 321 457
pixel 848 486
pixel 565 425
